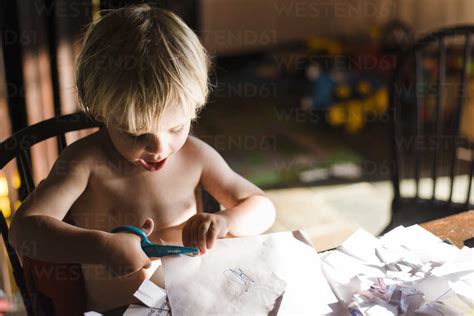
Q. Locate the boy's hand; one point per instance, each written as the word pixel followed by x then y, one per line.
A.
pixel 203 229
pixel 123 253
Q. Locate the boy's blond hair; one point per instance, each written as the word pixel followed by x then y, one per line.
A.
pixel 137 61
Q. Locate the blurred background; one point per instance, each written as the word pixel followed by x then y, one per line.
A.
pixel 299 104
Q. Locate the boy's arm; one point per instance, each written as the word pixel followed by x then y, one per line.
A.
pixel 37 229
pixel 247 210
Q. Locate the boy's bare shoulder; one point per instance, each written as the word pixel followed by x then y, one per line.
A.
pixel 198 149
pixel 66 181
pixel 85 151
pixel 204 155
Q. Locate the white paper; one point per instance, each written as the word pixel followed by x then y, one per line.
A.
pixel 409 236
pixel 361 245
pixel 150 294
pixel 138 310
pixel 92 313
pixel 464 289
pixel 438 309
pixel 245 276
pixel 462 262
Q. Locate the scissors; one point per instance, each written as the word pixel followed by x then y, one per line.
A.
pixel 153 250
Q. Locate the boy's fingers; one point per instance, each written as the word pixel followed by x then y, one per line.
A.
pixel 148 226
pixel 122 271
pixel 203 228
pixel 193 233
pixel 211 235
pixel 147 263
pixel 186 234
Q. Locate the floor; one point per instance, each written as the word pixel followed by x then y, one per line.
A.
pixel 330 214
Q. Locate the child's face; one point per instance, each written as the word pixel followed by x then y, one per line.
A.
pixel 150 150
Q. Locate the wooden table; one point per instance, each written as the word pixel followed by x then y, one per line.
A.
pixel 457 228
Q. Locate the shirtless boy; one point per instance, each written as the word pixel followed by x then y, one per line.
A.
pixel 144 74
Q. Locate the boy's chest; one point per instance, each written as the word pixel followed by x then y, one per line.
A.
pixel 168 196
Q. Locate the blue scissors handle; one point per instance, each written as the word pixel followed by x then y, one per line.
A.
pixel 135 230
pixel 152 249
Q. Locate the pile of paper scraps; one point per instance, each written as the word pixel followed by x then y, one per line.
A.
pixel 408 271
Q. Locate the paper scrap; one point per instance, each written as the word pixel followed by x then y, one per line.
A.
pixel 138 310
pixel 150 294
pixel 361 245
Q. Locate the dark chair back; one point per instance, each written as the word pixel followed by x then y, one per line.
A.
pixel 18 146
pixel 16 266
pixel 428 95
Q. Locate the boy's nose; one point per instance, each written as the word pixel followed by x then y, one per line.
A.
pixel 154 145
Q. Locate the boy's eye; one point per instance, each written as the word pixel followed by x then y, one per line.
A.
pixel 178 129
pixel 136 137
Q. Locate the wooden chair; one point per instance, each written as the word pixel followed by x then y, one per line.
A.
pixel 428 93
pixel 31 276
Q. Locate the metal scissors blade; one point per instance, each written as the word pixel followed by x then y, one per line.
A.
pixel 153 250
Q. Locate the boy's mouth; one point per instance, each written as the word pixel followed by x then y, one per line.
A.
pixel 152 165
